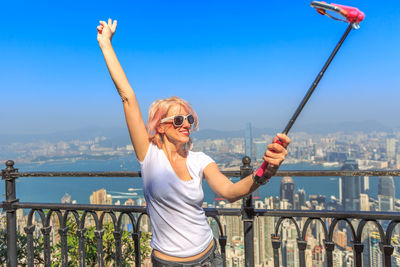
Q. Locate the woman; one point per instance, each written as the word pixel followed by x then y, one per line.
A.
pixel 172 174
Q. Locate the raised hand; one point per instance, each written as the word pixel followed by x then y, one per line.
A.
pixel 276 151
pixel 105 31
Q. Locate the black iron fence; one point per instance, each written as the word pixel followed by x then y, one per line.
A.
pixel 97 213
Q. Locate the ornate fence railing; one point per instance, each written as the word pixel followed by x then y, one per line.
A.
pixel 81 212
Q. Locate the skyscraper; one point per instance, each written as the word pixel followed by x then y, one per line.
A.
pixel 248 141
pixel 302 197
pixel 386 195
pixel 397 166
pixel 386 186
pixel 287 190
pixel 365 185
pixel 260 147
pixel 391 147
pixel 350 187
pixel 100 197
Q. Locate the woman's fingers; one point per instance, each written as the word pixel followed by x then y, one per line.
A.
pixel 275 155
pixel 283 138
pixel 110 25
pixel 271 161
pixel 114 25
pixel 276 152
pixel 277 148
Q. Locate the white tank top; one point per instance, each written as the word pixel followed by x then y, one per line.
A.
pixel 178 220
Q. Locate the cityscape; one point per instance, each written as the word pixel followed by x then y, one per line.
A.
pixel 353 151
pixel 235 62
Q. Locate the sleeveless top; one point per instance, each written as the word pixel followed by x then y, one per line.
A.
pixel 179 224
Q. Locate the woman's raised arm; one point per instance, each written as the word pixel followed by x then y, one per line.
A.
pixel 133 116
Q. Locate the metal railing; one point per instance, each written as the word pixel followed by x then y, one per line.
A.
pixel 80 213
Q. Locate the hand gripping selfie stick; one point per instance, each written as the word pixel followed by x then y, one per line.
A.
pixel 351 15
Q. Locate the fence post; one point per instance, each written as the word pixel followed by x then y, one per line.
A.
pixel 248 216
pixel 9 175
pixel 276 244
pixel 136 240
pixel 329 246
pixel 302 245
pixel 387 251
pixel 358 248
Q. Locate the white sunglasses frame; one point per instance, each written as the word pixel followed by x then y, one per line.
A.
pixel 185 117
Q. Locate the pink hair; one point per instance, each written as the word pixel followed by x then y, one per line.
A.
pixel 159 110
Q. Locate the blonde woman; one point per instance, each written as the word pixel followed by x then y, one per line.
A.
pixel 172 174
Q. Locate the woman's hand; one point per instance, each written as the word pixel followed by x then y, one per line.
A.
pixel 276 152
pixel 105 31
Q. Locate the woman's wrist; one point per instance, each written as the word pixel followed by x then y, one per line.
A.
pixel 104 43
pixel 259 180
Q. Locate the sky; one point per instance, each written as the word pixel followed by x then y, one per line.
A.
pixel 234 61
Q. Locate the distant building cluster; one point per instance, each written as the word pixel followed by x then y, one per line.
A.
pixel 356 151
pixel 315 253
pixel 376 150
pixel 99 148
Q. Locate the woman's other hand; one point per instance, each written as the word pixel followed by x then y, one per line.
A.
pixel 105 31
pixel 276 152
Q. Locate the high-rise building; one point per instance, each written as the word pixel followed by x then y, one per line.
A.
pixel 260 147
pixel 259 235
pixel 391 147
pixel 248 141
pixel 375 252
pixel 302 197
pixel 318 256
pixel 340 238
pixel 337 258
pixel 386 186
pixel 100 197
pixel 287 190
pixel 397 165
pixel 350 187
pixel 386 193
pixel 364 202
pixel 365 185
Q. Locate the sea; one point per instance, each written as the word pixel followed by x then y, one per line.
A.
pixel 52 189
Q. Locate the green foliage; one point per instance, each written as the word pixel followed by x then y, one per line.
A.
pixel 22 241
pixel 128 251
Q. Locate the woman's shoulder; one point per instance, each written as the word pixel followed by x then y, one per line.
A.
pixel 152 150
pixel 199 156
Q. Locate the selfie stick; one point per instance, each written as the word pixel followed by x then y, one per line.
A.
pixel 353 16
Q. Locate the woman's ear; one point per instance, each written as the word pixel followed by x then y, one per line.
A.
pixel 160 129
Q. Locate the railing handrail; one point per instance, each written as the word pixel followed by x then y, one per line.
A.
pixel 368 215
pixel 295 173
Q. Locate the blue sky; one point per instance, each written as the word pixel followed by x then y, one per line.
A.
pixel 234 61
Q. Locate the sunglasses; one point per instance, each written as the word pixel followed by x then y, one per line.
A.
pixel 178 120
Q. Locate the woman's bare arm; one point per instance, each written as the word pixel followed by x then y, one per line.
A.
pixel 220 184
pixel 133 116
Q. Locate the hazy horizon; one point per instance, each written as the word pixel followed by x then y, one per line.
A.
pixel 234 62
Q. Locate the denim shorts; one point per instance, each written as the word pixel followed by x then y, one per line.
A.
pixel 212 259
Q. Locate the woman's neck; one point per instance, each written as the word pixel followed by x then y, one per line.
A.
pixel 174 151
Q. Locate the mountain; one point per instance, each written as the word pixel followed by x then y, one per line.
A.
pixel 346 127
